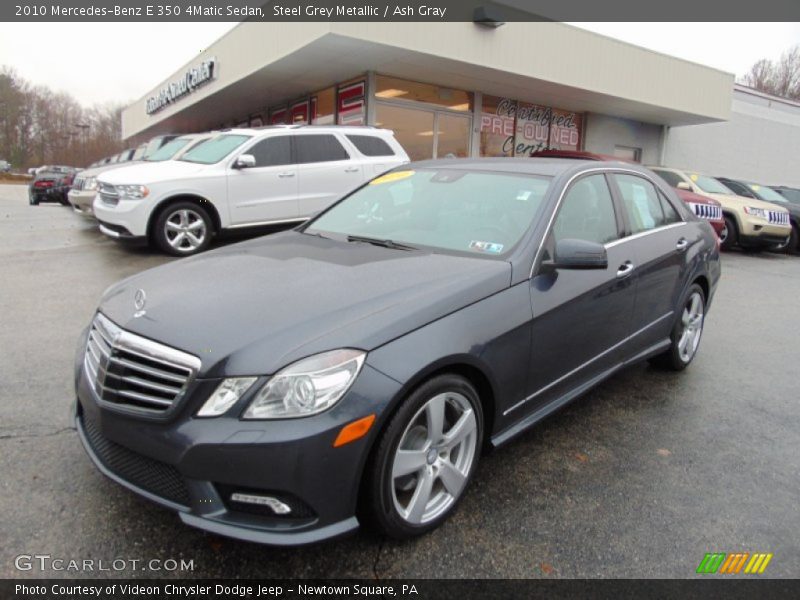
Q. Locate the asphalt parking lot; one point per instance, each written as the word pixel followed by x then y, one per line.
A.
pixel 639 478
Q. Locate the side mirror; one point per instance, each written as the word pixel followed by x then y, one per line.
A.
pixel 682 185
pixel 245 161
pixel 579 254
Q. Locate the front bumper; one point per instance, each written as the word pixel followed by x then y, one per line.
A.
pixel 131 216
pixel 193 465
pixel 82 201
pixel 760 233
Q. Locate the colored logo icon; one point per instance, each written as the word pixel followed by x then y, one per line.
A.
pixel 735 563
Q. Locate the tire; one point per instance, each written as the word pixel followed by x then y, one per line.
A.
pixel 691 311
pixel 794 241
pixel 729 235
pixel 183 229
pixel 432 469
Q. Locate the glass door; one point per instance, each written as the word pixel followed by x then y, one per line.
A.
pixel 426 133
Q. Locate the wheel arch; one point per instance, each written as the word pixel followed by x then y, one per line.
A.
pixel 203 203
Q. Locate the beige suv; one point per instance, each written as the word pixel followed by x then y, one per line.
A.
pixel 750 223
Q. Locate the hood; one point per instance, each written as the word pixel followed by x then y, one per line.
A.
pixel 144 173
pixel 95 171
pixel 688 196
pixel 255 307
pixel 742 201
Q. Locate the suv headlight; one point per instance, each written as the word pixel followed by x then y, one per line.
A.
pixel 308 386
pixel 90 184
pixel 756 212
pixel 132 192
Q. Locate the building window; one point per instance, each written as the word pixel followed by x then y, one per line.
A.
pixel 511 128
pixel 412 128
pixel 351 103
pixel 392 88
pixel 628 153
pixel 323 107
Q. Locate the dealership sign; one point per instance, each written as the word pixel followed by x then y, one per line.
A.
pixel 192 79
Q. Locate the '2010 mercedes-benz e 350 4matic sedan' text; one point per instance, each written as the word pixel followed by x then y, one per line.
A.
pixel 285 389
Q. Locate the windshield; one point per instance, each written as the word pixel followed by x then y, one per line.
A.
pixel 710 185
pixel 475 212
pixel 139 153
pixel 214 149
pixel 169 150
pixel 765 193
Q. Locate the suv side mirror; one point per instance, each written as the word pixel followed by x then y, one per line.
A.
pixel 682 185
pixel 245 161
pixel 579 254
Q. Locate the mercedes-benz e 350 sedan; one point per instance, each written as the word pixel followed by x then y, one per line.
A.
pixel 286 389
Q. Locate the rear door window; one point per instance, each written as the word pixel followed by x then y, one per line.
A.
pixel 317 148
pixel 641 202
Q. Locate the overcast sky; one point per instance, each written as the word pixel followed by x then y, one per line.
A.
pixel 102 62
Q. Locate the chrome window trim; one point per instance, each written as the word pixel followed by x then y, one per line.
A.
pixel 642 234
pixel 587 363
pixel 603 170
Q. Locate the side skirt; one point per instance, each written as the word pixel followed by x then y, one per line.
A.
pixel 523 424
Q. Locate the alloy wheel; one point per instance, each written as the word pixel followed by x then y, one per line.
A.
pixel 433 459
pixel 185 230
pixel 692 321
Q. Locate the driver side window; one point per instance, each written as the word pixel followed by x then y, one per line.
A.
pixel 587 212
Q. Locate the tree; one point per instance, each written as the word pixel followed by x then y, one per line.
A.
pixel 779 78
pixel 39 126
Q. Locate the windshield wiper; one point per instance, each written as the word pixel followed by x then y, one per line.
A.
pixel 379 242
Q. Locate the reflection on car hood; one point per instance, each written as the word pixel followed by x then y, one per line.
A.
pixel 255 307
pixel 144 173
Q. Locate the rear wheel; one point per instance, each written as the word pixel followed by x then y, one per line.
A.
pixel 686 332
pixel 794 241
pixel 183 229
pixel 729 234
pixel 425 458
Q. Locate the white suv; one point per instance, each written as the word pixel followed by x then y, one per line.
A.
pixel 241 178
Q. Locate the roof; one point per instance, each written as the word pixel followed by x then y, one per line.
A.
pixel 547 167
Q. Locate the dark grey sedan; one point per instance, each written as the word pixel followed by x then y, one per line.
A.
pixel 286 389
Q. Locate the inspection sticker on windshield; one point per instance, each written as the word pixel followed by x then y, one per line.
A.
pixel 394 176
pixel 490 247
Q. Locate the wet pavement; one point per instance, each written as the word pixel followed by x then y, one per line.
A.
pixel 639 478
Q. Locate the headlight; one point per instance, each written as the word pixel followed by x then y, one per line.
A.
pixel 90 184
pixel 225 396
pixel 756 212
pixel 307 387
pixel 132 192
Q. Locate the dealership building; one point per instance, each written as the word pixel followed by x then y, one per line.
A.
pixel 451 89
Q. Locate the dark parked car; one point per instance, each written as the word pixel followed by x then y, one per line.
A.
pixel 791 194
pixel 51 184
pixel 762 192
pixel 286 389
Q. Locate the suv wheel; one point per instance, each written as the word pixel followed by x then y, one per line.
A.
pixel 183 229
pixel 728 235
pixel 686 332
pixel 425 458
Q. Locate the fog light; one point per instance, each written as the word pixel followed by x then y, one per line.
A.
pixel 278 507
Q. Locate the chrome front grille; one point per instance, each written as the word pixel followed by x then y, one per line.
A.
pixel 710 212
pixel 133 373
pixel 778 217
pixel 77 184
pixel 108 193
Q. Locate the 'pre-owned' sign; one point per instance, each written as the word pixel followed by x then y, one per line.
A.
pixel 193 78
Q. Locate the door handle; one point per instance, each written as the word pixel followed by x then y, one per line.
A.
pixel 351 170
pixel 625 269
pixel 682 245
pixel 286 174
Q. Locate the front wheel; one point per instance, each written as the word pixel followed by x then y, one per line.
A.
pixel 183 229
pixel 686 332
pixel 425 458
pixel 729 234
